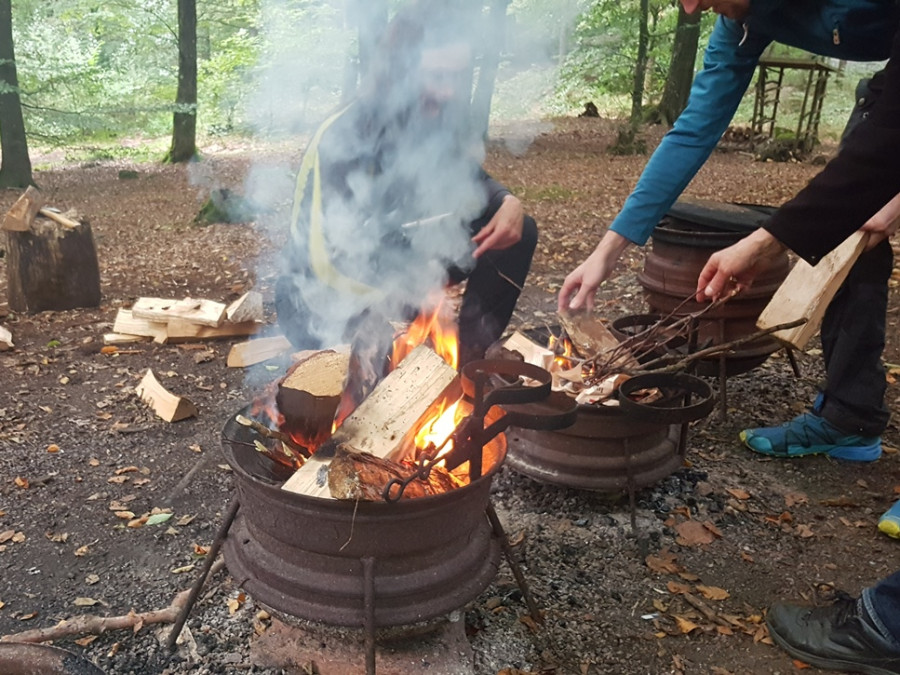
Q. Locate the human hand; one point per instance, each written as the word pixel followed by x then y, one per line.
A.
pixel 734 269
pixel 578 289
pixel 883 224
pixel 503 230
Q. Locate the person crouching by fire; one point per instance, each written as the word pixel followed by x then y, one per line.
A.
pixel 392 203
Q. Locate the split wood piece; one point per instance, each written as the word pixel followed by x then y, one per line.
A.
pixel 244 354
pixel 248 307
pixel 123 338
pixel 127 324
pixel 591 338
pixel 22 214
pixel 198 311
pixel 52 267
pixel 167 405
pixel 385 423
pixel 6 342
pixel 530 350
pixel 807 291
pixel 360 476
pixel 309 394
pixel 179 330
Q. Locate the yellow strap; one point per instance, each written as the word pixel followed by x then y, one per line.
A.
pixel 319 259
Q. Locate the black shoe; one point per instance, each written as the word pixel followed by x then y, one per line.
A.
pixel 836 637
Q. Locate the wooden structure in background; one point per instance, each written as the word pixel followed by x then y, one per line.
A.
pixel 769 88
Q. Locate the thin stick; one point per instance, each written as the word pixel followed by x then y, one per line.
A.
pixel 714 350
pixel 274 434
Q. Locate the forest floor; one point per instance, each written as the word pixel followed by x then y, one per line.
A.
pixel 77 446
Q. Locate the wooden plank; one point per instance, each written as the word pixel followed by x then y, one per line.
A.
pixel 127 324
pixel 178 330
pixel 244 354
pixel 384 423
pixel 530 350
pixel 22 214
pixel 589 336
pixel 199 311
pixel 122 338
pixel 167 405
pixel 807 291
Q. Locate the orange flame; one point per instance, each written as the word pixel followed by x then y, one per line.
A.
pixel 564 350
pixel 436 326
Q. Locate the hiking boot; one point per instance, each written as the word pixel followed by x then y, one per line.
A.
pixel 841 636
pixel 810 434
pixel 889 523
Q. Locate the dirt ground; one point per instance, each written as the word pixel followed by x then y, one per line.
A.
pixel 77 447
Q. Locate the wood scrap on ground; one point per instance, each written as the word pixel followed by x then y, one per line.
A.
pixel 167 405
pixel 193 310
pixel 248 307
pixel 244 354
pixel 6 342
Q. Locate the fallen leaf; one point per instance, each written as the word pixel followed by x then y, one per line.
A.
pixel 805 531
pixel 693 533
pixel 126 469
pixel 158 518
pixel 53 448
pixel 792 499
pixel 685 625
pixel 713 592
pixel 182 570
pixel 85 602
pixel 738 493
pixel 21 482
pixel 85 641
pixel 800 665
pixel 27 617
pixel 664 563
pixel 117 479
pixel 677 589
pixel 92 579
pixel 82 551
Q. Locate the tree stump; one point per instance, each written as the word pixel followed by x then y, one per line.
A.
pixel 52 266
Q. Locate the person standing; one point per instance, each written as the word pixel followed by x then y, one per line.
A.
pixel 849 415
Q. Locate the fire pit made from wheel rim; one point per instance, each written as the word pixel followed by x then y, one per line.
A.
pixel 325 559
pixel 616 448
pixel 681 244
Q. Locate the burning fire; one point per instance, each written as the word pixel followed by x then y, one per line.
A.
pixel 436 326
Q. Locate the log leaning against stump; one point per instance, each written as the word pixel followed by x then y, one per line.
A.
pixel 51 259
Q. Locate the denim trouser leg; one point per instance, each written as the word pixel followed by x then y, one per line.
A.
pixel 853 332
pixel 882 601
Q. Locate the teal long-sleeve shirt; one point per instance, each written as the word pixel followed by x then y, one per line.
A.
pixel 853 30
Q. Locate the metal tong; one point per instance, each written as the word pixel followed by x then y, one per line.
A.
pixel 523 393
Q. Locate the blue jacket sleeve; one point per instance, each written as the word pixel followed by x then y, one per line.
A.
pixel 715 94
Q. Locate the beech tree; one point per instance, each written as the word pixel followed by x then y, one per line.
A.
pixel 681 66
pixel 184 123
pixel 15 164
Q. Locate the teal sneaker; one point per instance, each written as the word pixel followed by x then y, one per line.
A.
pixel 810 434
pixel 889 523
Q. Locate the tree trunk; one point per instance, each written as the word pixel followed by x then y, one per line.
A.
pixel 681 67
pixel 490 63
pixel 640 66
pixel 370 18
pixel 15 164
pixel 184 129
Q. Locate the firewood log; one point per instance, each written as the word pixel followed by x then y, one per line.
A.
pixel 309 394
pixel 360 476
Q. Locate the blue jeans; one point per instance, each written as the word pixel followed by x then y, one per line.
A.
pixel 882 601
